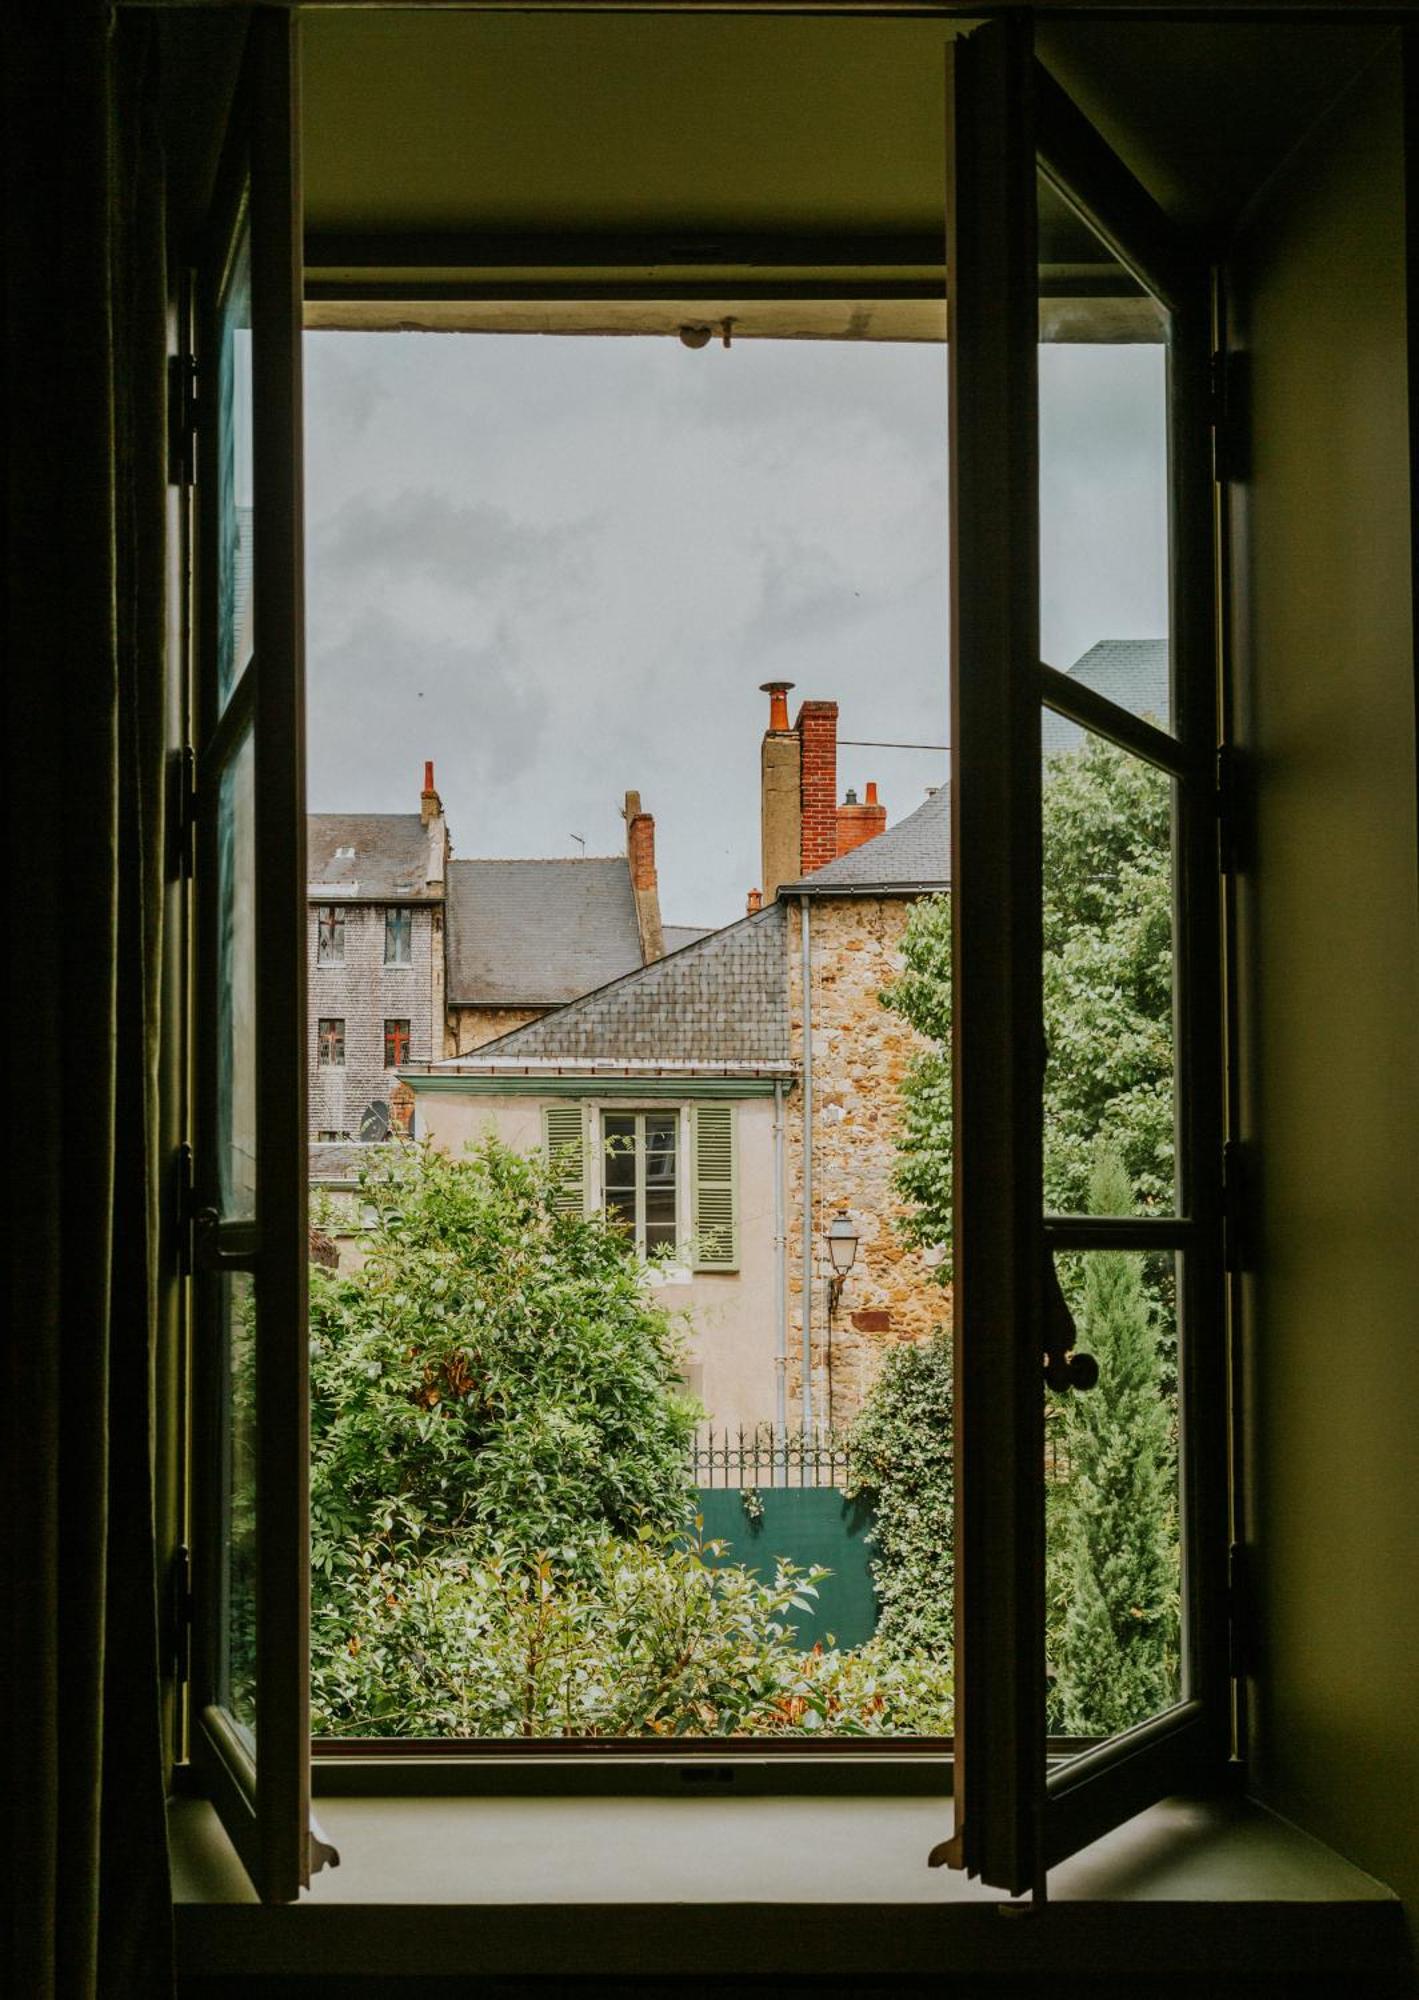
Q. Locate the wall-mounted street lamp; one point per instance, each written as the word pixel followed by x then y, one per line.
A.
pixel 842 1255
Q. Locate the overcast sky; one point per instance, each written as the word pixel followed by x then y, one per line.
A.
pixel 562 567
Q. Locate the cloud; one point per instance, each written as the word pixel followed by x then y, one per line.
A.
pixel 430 537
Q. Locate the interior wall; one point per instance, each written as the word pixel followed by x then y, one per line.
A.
pixel 1329 965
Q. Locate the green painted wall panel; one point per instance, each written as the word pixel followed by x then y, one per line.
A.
pixel 804 1525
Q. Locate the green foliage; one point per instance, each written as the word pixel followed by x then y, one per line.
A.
pixel 655 1636
pixel 1107 997
pixel 901 1447
pixel 493 1372
pixel 1116 1575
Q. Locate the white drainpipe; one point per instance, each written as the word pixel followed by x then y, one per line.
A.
pixel 806 936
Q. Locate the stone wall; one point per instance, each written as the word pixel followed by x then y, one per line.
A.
pixel 364 993
pixel 469 1028
pixel 860 1054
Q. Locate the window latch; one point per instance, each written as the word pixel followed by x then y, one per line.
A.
pixel 1065 1366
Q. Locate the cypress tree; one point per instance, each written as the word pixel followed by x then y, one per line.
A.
pixel 1115 1571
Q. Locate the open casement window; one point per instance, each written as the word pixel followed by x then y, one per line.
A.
pixel 1053 247
pixel 249 1728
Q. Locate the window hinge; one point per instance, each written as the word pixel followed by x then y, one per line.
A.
pixel 180 1613
pixel 1237 1205
pixel 183 814
pixel 1240 1611
pixel 185 1204
pixel 182 420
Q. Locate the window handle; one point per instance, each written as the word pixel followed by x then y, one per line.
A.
pixel 223 1246
pixel 1065 1366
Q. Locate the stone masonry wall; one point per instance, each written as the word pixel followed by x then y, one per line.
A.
pixel 468 1028
pixel 364 992
pixel 860 1055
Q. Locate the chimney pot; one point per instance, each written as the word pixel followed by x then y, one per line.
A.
pixel 777 692
pixel 429 774
pixel 755 902
pixel 872 791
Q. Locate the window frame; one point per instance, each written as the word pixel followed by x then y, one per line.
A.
pixel 353 1764
pixel 330 1036
pixel 403 911
pixel 678 1117
pixel 330 922
pixel 403 1030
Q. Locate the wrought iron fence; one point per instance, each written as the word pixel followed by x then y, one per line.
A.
pixel 759 1456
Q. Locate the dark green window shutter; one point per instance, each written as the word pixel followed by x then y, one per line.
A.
pixel 714 1218
pixel 564 1143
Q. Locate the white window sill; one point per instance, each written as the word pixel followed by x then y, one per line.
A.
pixel 494 1886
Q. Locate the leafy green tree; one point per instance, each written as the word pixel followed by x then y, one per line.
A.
pixel 901 1453
pixel 1115 1644
pixel 1107 979
pixel 493 1372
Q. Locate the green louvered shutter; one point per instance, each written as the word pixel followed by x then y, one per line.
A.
pixel 564 1143
pixel 714 1189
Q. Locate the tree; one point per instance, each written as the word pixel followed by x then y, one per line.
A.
pixel 901 1453
pixel 1115 1566
pixel 1107 977
pixel 494 1373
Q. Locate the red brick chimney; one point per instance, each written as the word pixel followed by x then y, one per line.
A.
pixel 857 823
pixel 817 728
pixel 430 804
pixel 640 852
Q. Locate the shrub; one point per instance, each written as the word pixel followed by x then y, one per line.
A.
pixel 901 1447
pixel 493 1373
pixel 1115 1573
pixel 655 1637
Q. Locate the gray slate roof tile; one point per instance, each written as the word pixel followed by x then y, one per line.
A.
pixel 538 933
pixel 914 854
pixel 723 999
pixel 389 864
pixel 1133 673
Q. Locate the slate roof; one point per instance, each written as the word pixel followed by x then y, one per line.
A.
pixel 538 933
pixel 1133 673
pixel 677 936
pixel 389 864
pixel 912 856
pixel 719 1003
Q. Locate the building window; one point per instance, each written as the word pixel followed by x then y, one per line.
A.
pixel 329 934
pixel 331 1044
pixel 396 1043
pixel 398 938
pixel 639 1175
pixel 331 1138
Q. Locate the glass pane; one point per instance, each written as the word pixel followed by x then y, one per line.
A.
pixel 235 638
pixel 620 1163
pixel 1108 977
pixel 1112 1507
pixel 1104 596
pixel 236 985
pixel 237 1687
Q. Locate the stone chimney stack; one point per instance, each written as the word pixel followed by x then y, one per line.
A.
pixel 817 728
pixel 780 812
pixel 857 823
pixel 430 804
pixel 645 886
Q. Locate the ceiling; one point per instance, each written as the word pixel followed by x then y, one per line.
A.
pixel 513 158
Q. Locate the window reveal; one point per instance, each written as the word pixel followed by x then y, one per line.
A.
pixel 331 1043
pixel 396 1043
pixel 330 935
pixel 398 940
